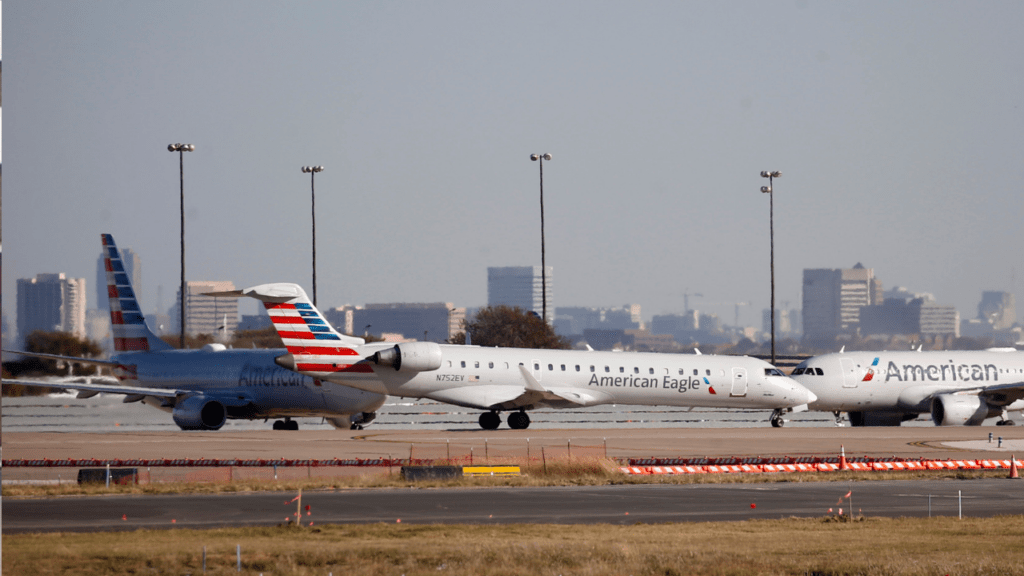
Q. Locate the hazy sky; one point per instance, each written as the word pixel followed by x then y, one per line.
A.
pixel 898 127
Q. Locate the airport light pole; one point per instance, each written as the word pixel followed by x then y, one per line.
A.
pixel 771 234
pixel 543 264
pixel 181 149
pixel 312 170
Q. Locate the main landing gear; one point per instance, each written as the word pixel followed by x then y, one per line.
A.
pixel 286 424
pixel 776 419
pixel 516 420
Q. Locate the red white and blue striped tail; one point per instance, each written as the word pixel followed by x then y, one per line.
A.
pixel 315 348
pixel 127 324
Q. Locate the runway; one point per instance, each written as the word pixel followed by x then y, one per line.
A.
pixel 558 505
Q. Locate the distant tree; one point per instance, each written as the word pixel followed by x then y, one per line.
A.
pixel 63 344
pixel 192 342
pixel 261 338
pixel 59 343
pixel 510 327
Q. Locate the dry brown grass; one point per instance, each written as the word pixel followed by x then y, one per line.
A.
pixel 874 546
pixel 571 471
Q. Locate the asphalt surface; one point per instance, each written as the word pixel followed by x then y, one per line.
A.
pixel 610 504
pixel 558 505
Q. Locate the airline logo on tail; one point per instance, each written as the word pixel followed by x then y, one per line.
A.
pixel 126 321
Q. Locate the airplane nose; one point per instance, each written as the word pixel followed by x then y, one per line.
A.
pixel 798 393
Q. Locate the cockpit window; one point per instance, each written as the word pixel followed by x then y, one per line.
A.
pixel 797 371
pixel 819 372
pixel 773 372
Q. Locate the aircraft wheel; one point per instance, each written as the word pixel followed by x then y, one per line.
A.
pixel 291 425
pixel 490 420
pixel 778 422
pixel 519 420
pixel 278 425
pixel 1006 423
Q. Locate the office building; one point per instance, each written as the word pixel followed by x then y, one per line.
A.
pixel 520 286
pixel 998 309
pixel 832 299
pixel 51 303
pixel 433 322
pixel 573 320
pixel 132 267
pixel 207 314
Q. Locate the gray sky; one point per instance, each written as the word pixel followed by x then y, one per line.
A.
pixel 897 126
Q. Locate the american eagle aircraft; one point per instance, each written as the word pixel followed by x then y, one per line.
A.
pixel 958 388
pixel 203 388
pixel 515 380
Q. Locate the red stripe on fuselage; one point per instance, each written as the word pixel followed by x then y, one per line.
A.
pixel 322 351
pixel 357 368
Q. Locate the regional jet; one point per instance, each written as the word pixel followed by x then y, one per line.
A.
pixel 203 388
pixel 516 380
pixel 957 388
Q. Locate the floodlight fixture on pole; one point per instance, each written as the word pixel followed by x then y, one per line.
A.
pixel 181 149
pixel 543 263
pixel 770 175
pixel 312 170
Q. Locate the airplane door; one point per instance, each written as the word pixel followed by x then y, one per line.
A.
pixel 849 372
pixel 739 382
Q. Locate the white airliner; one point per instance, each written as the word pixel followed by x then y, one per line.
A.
pixel 203 388
pixel 958 388
pixel 516 379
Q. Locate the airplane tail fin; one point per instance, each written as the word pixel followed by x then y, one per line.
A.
pixel 127 325
pixel 314 347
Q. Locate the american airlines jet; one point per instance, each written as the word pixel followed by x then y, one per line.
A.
pixel 958 388
pixel 516 380
pixel 203 388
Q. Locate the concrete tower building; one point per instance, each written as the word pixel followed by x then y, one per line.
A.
pixel 51 302
pixel 520 286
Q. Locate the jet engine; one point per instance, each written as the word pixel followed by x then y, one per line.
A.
pixel 410 357
pixel 960 410
pixel 352 421
pixel 199 413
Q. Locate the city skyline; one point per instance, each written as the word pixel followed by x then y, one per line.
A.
pixel 895 126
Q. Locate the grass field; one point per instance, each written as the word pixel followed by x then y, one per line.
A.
pixel 822 546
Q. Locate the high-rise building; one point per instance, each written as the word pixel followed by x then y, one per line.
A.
pixel 573 320
pixel 521 286
pixel 207 314
pixel 998 309
pixel 132 267
pixel 434 322
pixel 832 299
pixel 51 302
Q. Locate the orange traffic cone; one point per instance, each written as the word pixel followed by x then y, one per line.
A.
pixel 842 458
pixel 1013 467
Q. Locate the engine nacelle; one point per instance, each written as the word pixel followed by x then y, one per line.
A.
pixel 879 418
pixel 199 413
pixel 352 421
pixel 960 410
pixel 410 357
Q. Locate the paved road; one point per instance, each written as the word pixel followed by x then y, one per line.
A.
pixel 561 505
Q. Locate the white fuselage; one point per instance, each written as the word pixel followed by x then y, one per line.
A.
pixel 480 377
pixel 902 381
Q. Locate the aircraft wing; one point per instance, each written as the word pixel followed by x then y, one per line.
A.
pixel 65 358
pixel 1002 394
pixel 104 388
